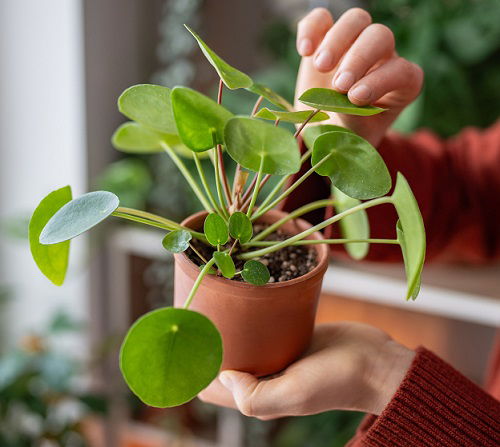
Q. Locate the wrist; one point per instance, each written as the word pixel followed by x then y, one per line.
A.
pixel 388 370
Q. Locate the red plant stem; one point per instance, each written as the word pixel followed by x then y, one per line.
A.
pixel 257 104
pixel 232 246
pixel 309 118
pixel 249 190
pixel 277 122
pixel 219 95
pixel 223 175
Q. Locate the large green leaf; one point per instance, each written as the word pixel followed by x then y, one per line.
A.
pixel 353 165
pixel 150 106
pixel 250 141
pixel 198 118
pixel 310 133
pixel 52 260
pixel 326 99
pixel 291 117
pixel 134 138
pixel 411 233
pixel 354 226
pixel 177 241
pixel 78 216
pixel 232 77
pixel 170 355
pixel 271 96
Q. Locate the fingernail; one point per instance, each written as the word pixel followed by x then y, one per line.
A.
pixel 305 47
pixel 344 81
pixel 324 60
pixel 225 379
pixel 361 93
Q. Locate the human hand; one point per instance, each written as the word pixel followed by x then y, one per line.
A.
pixel 350 366
pixel 356 57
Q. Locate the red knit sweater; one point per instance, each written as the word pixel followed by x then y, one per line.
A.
pixel 457 185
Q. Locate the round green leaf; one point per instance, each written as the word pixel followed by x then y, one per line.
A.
pixel 177 241
pixel 150 106
pixel 326 99
pixel 78 216
pixel 291 117
pixel 216 230
pixel 411 233
pixel 310 133
pixel 232 77
pixel 354 226
pixel 353 165
pixel 240 227
pixel 52 260
pixel 198 118
pixel 254 272
pixel 170 355
pixel 250 141
pixel 225 264
pixel 271 96
pixel 133 138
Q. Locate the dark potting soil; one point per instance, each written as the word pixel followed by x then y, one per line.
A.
pixel 285 264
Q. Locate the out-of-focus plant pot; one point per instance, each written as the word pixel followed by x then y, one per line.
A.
pixel 263 328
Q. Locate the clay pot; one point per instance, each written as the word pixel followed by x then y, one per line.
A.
pixel 263 328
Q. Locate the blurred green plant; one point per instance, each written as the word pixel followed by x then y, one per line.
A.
pixel 40 404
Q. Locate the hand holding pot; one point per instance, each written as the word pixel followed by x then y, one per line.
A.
pixel 348 366
pixel 355 56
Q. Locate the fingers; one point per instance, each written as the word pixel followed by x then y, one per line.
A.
pixel 397 74
pixel 340 37
pixel 375 43
pixel 265 399
pixel 311 30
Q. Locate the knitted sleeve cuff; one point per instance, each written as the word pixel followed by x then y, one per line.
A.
pixel 436 406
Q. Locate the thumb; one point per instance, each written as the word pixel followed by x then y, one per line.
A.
pixel 254 397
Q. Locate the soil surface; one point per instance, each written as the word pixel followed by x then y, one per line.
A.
pixel 285 264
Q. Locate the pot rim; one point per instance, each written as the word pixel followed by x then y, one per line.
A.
pixel 319 269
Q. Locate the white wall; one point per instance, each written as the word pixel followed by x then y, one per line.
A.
pixel 42 144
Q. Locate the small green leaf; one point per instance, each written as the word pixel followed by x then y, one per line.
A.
pixel 150 106
pixel 332 101
pixel 177 241
pixel 355 226
pixel 52 260
pixel 225 264
pixel 216 230
pixel 240 227
pixel 271 96
pixel 310 133
pixel 133 138
pixel 170 355
pixel 232 77
pixel 248 140
pixel 353 165
pixel 78 216
pixel 411 233
pixel 198 117
pixel 256 273
pixel 291 117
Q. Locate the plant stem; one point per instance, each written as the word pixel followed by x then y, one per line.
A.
pixel 256 189
pixel 197 283
pixel 198 253
pixel 276 122
pixel 225 182
pixel 262 183
pixel 298 212
pixel 232 246
pixel 280 184
pixel 309 118
pixel 257 104
pixel 204 182
pixel 219 186
pixel 326 241
pixel 187 175
pixel 219 95
pixel 304 234
pixel 142 220
pixel 263 209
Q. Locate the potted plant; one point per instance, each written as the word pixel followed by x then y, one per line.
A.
pixel 247 278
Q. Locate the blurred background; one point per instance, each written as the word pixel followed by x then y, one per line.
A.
pixel 63 63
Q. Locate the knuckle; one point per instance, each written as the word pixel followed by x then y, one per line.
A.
pixel 384 32
pixel 360 15
pixel 246 408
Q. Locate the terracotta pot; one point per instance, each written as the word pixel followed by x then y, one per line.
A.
pixel 263 328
